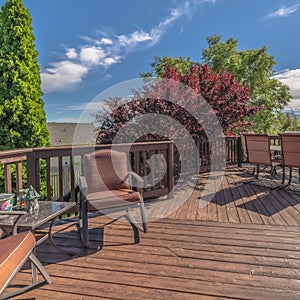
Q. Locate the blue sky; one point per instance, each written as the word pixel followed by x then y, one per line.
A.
pixel 88 46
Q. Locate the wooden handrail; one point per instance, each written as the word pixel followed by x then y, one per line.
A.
pixel 139 154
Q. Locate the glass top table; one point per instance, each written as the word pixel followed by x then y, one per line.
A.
pixel 12 221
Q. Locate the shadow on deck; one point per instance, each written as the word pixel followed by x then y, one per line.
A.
pixel 230 249
pixel 240 199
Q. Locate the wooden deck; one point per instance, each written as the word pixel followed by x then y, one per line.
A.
pixel 245 244
pixel 240 202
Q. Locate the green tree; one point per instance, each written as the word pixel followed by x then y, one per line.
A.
pixel 253 68
pixel 159 65
pixel 286 122
pixel 22 115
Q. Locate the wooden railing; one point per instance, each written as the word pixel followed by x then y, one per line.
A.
pixel 58 168
pixel 68 164
pixel 275 140
pixel 13 159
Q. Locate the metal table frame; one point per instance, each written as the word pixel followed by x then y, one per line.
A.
pixel 12 221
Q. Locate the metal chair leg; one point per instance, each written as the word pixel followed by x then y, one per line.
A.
pixel 257 168
pixel 283 175
pixel 35 284
pixel 133 222
pixel 290 178
pixel 144 217
pixel 83 225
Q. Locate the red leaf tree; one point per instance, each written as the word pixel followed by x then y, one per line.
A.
pixel 227 98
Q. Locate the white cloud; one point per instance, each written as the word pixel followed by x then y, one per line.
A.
pixel 110 61
pixel 134 38
pixel 106 41
pixel 283 11
pixel 87 106
pixel 61 76
pixel 92 56
pixel 71 53
pixel 107 50
pixel 107 77
pixel 292 79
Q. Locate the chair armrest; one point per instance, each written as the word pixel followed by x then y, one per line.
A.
pixel 139 180
pixel 82 183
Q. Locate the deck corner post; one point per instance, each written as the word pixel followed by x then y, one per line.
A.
pixel 239 151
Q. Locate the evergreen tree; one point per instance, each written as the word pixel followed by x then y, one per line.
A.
pixel 22 115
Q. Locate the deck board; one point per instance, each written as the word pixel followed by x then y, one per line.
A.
pixel 244 244
pixel 177 259
pixel 240 202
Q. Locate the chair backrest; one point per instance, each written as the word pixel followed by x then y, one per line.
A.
pixel 258 148
pixel 290 147
pixel 100 173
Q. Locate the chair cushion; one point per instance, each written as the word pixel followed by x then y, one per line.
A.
pixel 100 173
pixel 14 250
pixel 112 199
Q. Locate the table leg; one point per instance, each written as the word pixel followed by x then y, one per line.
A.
pixel 53 242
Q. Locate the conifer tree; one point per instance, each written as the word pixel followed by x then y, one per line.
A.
pixel 22 115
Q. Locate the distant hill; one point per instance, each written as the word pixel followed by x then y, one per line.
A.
pixel 294 112
pixel 61 134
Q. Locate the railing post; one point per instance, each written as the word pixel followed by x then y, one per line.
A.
pixel 19 178
pixel 32 171
pixel 239 151
pixel 7 178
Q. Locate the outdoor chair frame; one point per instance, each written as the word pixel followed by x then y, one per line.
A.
pixel 259 153
pixel 18 249
pixel 101 160
pixel 290 151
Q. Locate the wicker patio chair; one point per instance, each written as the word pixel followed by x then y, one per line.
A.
pixel 103 189
pixel 15 251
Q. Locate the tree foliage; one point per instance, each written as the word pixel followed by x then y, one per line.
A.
pixel 286 122
pixel 160 64
pixel 253 68
pixel 227 97
pixel 22 115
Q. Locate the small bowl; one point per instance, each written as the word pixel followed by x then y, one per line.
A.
pixel 6 202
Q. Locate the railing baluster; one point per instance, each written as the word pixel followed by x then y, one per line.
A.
pixel 72 183
pixel 152 167
pixel 137 163
pixel 144 155
pixel 171 170
pixel 7 176
pixel 60 178
pixel 19 179
pixel 48 178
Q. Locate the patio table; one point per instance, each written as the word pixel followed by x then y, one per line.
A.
pixel 11 221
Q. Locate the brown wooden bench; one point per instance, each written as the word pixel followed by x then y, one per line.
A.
pixel 15 251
